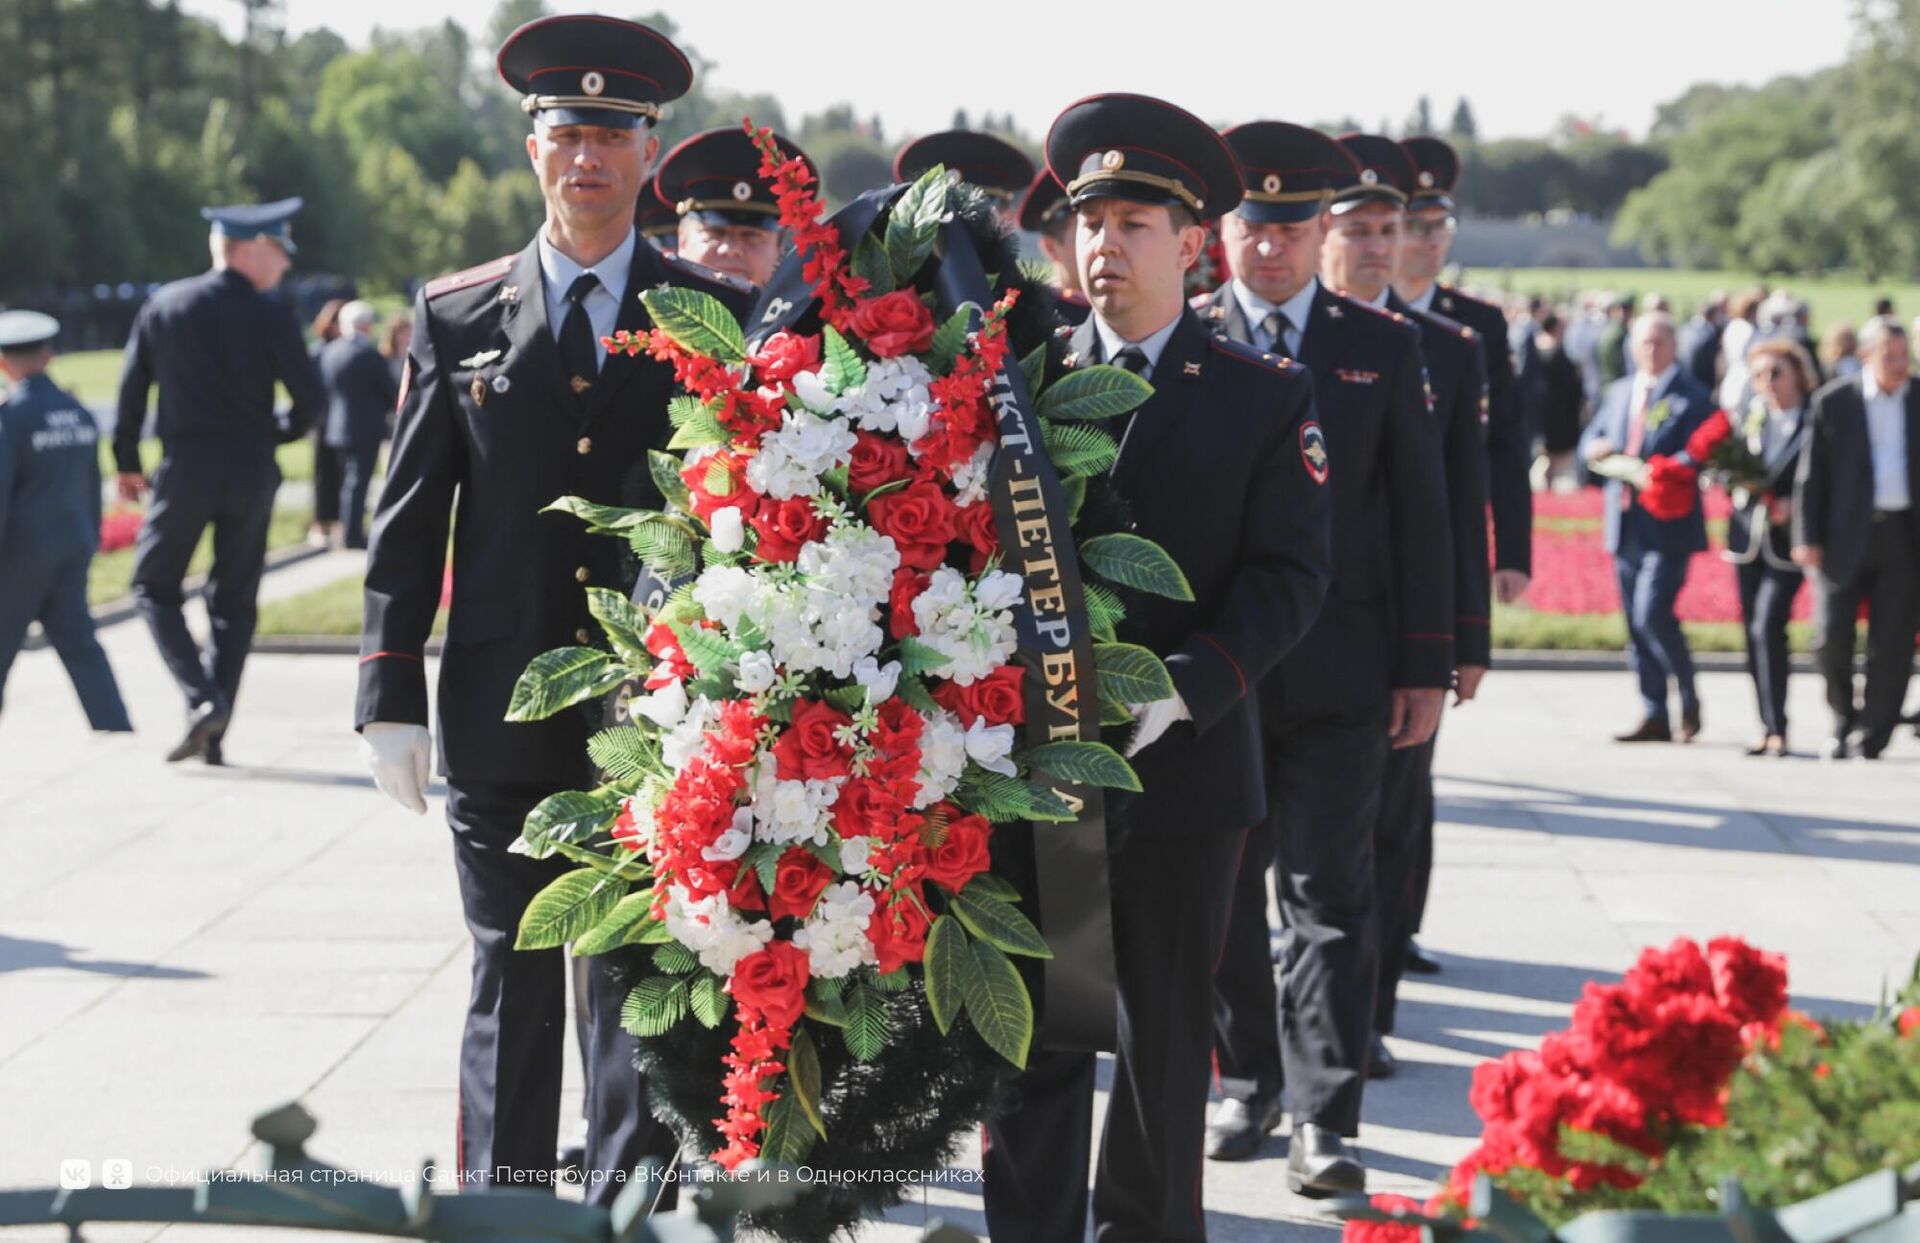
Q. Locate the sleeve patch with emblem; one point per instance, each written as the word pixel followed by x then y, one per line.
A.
pixel 1313 451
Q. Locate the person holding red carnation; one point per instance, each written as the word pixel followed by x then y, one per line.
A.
pixel 1652 411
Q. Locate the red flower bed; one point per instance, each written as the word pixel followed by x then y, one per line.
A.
pixel 1573 572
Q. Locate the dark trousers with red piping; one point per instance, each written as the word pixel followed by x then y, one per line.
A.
pixel 515 1038
pixel 1170 895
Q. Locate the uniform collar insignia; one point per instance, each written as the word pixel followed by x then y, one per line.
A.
pixel 1333 311
pixel 509 293
pixel 1191 371
pixel 1071 360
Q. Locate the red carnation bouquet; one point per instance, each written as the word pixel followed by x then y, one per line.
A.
pixel 1672 1077
pixel 824 737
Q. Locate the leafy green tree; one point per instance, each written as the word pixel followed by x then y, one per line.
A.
pixel 1463 126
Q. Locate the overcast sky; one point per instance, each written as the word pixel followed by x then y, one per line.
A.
pixel 1521 63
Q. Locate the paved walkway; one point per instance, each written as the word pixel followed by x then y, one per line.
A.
pixel 180 947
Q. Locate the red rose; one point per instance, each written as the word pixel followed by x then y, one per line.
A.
pixel 997 697
pixel 1673 488
pixel 745 894
pixel 1910 1020
pixel 975 524
pixel 1750 983
pixel 798 882
pixel 808 749
pixel 920 520
pixel 898 931
pixel 893 324
pixel 962 855
pixel 784 526
pixel 1708 437
pixel 907 586
pixel 671 664
pixel 733 492
pixel 784 355
pixel 864 808
pixel 877 461
pixel 773 983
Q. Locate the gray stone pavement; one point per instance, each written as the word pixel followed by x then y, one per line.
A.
pixel 180 947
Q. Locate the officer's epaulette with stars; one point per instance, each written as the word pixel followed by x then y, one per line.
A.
pixel 480 274
pixel 713 276
pixel 1267 360
pixel 1383 312
pixel 1453 326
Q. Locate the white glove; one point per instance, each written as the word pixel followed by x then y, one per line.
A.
pixel 400 758
pixel 1154 719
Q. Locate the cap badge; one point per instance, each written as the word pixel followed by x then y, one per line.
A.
pixel 592 83
pixel 1368 177
pixel 1426 181
pixel 1272 184
pixel 742 191
pixel 1112 160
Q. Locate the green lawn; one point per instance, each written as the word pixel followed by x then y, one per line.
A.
pixel 1518 628
pixel 111 575
pixel 1831 298
pixel 330 610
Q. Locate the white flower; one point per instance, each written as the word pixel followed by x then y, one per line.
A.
pixel 728 529
pixel 723 592
pixel 943 757
pixel 997 590
pixel 853 855
pixel 665 707
pixel 756 672
pixel 687 739
pixel 791 811
pixel 972 628
pixel 793 456
pixel 835 935
pixel 879 679
pixel 812 393
pixel 990 745
pixel 972 476
pixel 734 842
pixel 711 929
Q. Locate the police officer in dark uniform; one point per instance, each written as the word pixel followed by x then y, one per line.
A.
pixel 1360 261
pixel 658 223
pixel 49 517
pixel 1430 230
pixel 510 400
pixel 1225 467
pixel 1045 212
pixel 991 165
pixel 729 219
pixel 216 344
pixel 1371 674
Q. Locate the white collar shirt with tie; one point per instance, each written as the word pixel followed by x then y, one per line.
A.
pixel 1887 436
pixel 1152 346
pixel 558 272
pixel 1644 388
pixel 1296 309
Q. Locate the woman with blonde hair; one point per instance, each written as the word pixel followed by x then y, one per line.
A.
pixel 1760 529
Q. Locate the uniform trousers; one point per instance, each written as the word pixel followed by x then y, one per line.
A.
pixel 1313 1033
pixel 1402 866
pixel 1887 582
pixel 515 1037
pixel 194 488
pixel 356 464
pixel 53 592
pixel 1169 895
pixel 1766 604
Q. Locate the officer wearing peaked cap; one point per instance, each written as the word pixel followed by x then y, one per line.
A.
pixel 49 516
pixel 1369 676
pixel 991 165
pixel 1362 260
pixel 1225 467
pixel 215 344
pixel 1046 212
pixel 728 216
pixel 658 223
pixel 509 401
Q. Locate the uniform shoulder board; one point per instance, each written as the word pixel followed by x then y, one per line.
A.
pixel 491 270
pixel 1453 326
pixel 713 276
pixel 1381 311
pixel 1266 360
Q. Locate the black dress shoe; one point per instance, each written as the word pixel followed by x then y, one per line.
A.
pixel 1835 748
pixel 1419 961
pixel 1650 730
pixel 1380 1063
pixel 1319 1163
pixel 1237 1127
pixel 204 724
pixel 1689 725
pixel 213 755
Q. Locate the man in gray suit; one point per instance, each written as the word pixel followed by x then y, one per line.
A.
pixel 361 395
pixel 1855 531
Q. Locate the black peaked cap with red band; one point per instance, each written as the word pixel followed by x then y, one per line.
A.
pixel 1291 170
pixel 1385 173
pixel 584 69
pixel 1145 150
pixel 1044 204
pixel 981 160
pixel 1436 170
pixel 715 177
pixel 655 219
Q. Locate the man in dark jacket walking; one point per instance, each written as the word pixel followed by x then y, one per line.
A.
pixel 360 398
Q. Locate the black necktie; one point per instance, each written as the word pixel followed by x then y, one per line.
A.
pixel 1133 358
pixel 576 337
pixel 1276 324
